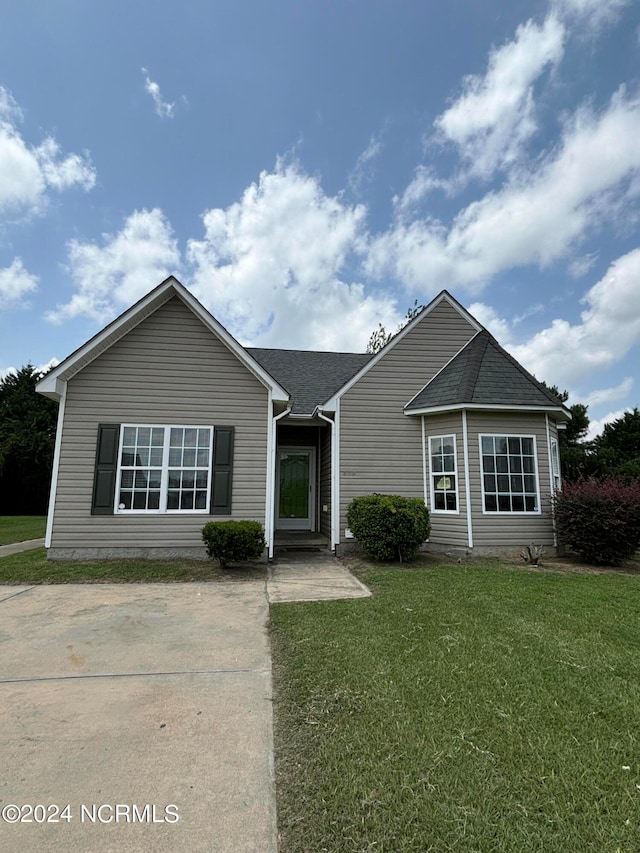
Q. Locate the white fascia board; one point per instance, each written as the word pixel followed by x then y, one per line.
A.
pixel 54 389
pixel 444 296
pixel 170 287
pixel 486 407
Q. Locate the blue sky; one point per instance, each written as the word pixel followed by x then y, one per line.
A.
pixel 309 168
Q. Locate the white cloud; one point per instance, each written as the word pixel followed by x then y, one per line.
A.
pixel 491 320
pixel 27 173
pixel 111 276
pixel 165 109
pixel 274 267
pixel 609 395
pixel 581 266
pixel 495 114
pixel 593 13
pixel 538 217
pixel 566 354
pixel 15 283
pixel 42 368
pixel 362 170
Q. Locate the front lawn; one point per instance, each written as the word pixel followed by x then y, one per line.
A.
pixel 19 528
pixel 32 567
pixel 469 708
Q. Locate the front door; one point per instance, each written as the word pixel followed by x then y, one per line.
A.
pixel 295 498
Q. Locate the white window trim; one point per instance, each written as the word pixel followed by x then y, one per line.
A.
pixel 508 435
pixel 554 465
pixel 164 476
pixel 454 473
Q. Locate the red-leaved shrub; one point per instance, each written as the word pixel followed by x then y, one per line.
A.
pixel 600 520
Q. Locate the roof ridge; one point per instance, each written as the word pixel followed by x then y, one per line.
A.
pixel 476 351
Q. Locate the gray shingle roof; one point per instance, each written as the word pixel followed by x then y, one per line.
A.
pixel 310 377
pixel 483 374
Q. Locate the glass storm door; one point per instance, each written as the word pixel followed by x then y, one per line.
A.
pixel 295 504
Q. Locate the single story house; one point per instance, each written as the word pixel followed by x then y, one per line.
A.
pixel 166 422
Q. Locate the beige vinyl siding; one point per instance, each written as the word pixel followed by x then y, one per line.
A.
pixel 504 530
pixel 448 528
pixel 170 369
pixel 380 446
pixel 325 481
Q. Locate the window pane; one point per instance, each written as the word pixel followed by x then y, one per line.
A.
pixel 191 438
pixel 503 483
pixel 490 483
pixel 527 446
pixel 174 479
pixel 126 498
pixel 529 484
pixel 447 446
pixel 451 501
pixel 129 435
pixel 175 457
pixel 436 463
pixel 516 483
pixel 488 464
pixel 518 503
pixel 142 457
pixel 528 465
pixel 127 480
pixel 189 458
pixel 173 498
pixel 176 437
pixel 157 437
pixel 203 458
pixel 186 500
pixel 188 479
pixel 487 444
pixel 201 480
pixel 155 457
pixel 140 480
pixel 449 463
pixel 201 500
pixel 530 503
pixel 438 500
pixel 144 436
pixel 490 503
pixel 504 503
pixel 154 500
pixel 514 445
pixel 502 464
pixel 204 438
pixel 436 446
pixel 139 500
pixel 154 479
pixel 501 444
pixel 515 464
pixel 128 456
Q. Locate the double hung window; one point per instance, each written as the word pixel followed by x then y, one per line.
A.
pixel 444 474
pixel 164 469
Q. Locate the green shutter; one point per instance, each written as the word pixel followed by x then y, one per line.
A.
pixel 222 474
pixel 104 481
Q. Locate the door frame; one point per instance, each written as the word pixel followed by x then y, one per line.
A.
pixel 310 525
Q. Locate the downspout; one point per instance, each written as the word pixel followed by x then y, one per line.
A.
pixel 271 491
pixel 550 464
pixel 424 463
pixel 56 467
pixel 334 537
pixel 467 485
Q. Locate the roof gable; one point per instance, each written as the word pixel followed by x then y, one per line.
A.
pixel 483 374
pixel 443 296
pixel 52 384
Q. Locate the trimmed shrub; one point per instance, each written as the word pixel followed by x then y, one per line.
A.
pixel 233 541
pixel 600 520
pixel 389 527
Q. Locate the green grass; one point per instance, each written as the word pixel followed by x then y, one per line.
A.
pixel 471 708
pixel 32 567
pixel 19 528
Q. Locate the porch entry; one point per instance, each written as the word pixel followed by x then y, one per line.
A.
pixel 296 488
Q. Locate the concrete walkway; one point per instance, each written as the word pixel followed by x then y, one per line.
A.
pixel 121 695
pixel 16 547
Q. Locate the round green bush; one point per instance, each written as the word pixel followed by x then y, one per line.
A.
pixel 233 541
pixel 389 527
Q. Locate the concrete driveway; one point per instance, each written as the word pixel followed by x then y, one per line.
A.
pixel 115 696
